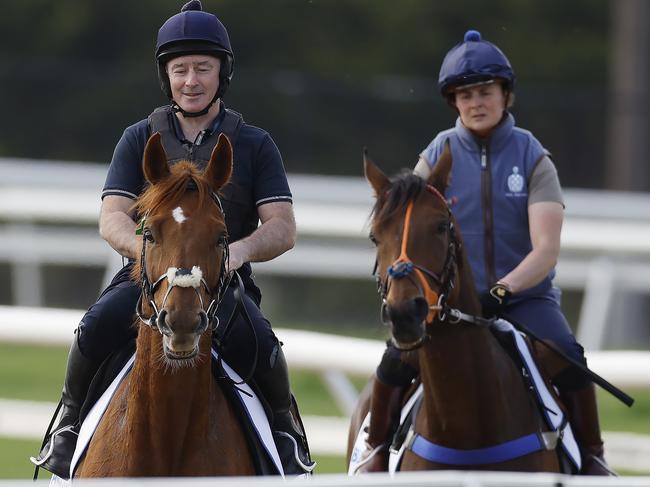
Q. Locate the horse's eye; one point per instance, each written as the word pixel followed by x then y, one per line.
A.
pixel 442 227
pixel 222 241
pixel 148 236
pixel 373 239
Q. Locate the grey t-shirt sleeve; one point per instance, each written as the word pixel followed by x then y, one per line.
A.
pixel 544 183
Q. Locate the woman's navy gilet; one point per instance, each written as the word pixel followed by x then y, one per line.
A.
pixel 489 190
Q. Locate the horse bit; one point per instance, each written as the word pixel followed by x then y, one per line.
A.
pixel 181 277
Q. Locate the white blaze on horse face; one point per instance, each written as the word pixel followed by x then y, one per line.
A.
pixel 178 214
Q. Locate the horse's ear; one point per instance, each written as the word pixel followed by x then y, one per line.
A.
pixel 220 166
pixel 377 179
pixel 441 174
pixel 154 160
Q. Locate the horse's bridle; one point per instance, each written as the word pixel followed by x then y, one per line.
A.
pixel 183 277
pixel 403 266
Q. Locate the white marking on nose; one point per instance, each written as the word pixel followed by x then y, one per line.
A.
pixel 193 279
pixel 178 214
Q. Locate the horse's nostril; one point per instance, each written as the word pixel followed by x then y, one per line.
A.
pixel 420 308
pixel 161 323
pixel 203 323
pixel 385 314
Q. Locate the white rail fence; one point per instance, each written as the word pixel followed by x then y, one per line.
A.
pixel 304 349
pixel 49 209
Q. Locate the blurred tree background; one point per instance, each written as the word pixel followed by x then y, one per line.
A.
pixel 325 77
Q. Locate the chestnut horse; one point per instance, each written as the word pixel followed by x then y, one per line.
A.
pixel 474 396
pixel 169 417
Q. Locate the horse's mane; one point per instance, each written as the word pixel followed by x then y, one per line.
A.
pixel 404 187
pixel 165 195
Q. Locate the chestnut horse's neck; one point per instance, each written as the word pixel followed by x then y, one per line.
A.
pixel 166 405
pixel 470 382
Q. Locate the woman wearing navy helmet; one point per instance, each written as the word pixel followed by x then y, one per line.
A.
pixel 507 201
pixel 195 63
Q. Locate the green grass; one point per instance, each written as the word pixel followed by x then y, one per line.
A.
pixel 36 373
pixel 312 398
pixel 32 372
pixel 14 458
pixel 329 464
pixel 616 416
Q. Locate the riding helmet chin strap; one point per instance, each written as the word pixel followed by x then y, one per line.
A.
pixel 176 108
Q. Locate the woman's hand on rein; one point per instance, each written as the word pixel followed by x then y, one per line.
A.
pixel 495 300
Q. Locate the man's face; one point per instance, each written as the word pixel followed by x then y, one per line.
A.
pixel 194 80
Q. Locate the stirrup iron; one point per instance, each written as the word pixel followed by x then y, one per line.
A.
pixel 301 464
pixel 38 462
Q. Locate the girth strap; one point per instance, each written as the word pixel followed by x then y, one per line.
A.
pixel 502 452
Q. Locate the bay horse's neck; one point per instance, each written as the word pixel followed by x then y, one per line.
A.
pixel 469 380
pixel 166 407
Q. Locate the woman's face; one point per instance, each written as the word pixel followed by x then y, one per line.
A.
pixel 481 107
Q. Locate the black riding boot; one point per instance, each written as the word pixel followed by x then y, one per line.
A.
pixel 288 432
pixel 385 407
pixel 583 415
pixel 57 452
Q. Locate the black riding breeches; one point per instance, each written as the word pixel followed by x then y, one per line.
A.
pixel 109 324
pixel 545 319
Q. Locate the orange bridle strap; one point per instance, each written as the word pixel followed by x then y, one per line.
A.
pixel 403 260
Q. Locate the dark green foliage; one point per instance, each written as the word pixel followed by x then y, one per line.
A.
pixel 325 77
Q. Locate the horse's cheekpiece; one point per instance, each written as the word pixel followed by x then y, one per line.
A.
pixel 182 278
pixel 404 267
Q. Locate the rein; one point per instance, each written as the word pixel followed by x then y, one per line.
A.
pixel 183 277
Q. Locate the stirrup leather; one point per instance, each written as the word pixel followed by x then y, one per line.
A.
pixel 41 460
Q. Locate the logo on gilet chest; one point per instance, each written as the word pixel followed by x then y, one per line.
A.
pixel 515 183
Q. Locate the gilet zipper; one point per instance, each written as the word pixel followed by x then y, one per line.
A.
pixel 488 216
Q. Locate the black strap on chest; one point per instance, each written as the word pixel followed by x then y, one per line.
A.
pixel 178 149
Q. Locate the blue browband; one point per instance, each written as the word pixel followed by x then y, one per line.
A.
pixel 481 456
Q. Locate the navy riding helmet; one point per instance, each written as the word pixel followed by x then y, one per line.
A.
pixel 193 31
pixel 474 61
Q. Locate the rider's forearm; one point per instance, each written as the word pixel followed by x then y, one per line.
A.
pixel 532 270
pixel 118 229
pixel 271 239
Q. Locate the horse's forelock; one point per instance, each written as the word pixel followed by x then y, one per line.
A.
pixel 404 187
pixel 167 194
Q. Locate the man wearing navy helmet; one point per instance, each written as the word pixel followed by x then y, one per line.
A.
pixel 195 65
pixel 508 203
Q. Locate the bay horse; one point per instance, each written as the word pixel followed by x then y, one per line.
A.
pixel 169 417
pixel 474 396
